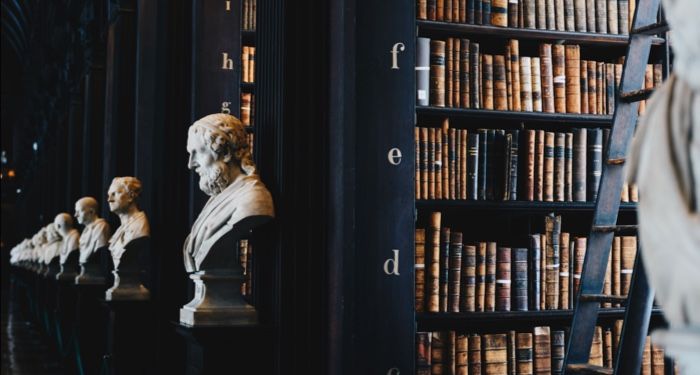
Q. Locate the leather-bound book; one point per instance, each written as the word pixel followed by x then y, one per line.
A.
pixel 542 355
pixel 601 16
pixel 485 12
pixel 548 181
pixel 452 157
pixel 448 10
pixel 504 189
pixel 634 193
pixel 658 75
pixel 536 84
pixel 560 8
pixel 551 14
pixel 625 193
pixel 600 84
pixel 617 333
pixel 416 136
pixel 246 100
pixel 245 63
pixel 546 77
pixel 573 78
pixel 584 86
pixel 607 282
pixel 579 256
pixel 512 359
pixel 474 76
pixel 464 70
pixel 616 267
pixel 559 77
pixel 437 73
pixel 632 9
pixel 444 267
pixel 474 354
pixel 490 279
pixel 483 160
pixel 534 273
pixel 500 96
pixel 458 159
pixel 525 84
pixel 592 88
pixel 468 285
pixel 432 10
pixel 423 349
pixel 495 354
pixel 610 87
pixel 487 80
pixel 463 139
pixel 471 5
pixel 431 163
pixel 456 72
pixel 251 64
pixel 445 157
pixel 646 357
pixel 543 271
pixel 434 272
pixel 627 254
pixel 553 231
pixel 509 74
pixel 569 18
pixel 580 15
pixel 529 165
pixel 451 352
pixel 455 273
pixel 438 353
pixel 623 17
pixel 558 352
pixel 473 166
pixel 520 279
pixel 524 354
pixel 437 159
pixel 648 77
pixel 462 11
pixel 580 141
pixel 612 17
pixel 422 71
pixel 596 356
pixel 515 72
pixel 440 10
pixel 590 16
pixel 530 13
pixel 420 270
pixel 478 12
pixel 449 70
pixel 559 166
pixel 480 277
pixel 513 164
pixel 513 12
pixel 594 163
pixel 424 139
pixel 493 154
pixel 657 360
pixel 539 164
pixel 503 278
pixel 462 354
pixel 422 9
pixel 499 13
pixel 608 359
pixel 568 167
pixel 564 271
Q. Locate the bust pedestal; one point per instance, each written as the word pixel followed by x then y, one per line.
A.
pixel 130 336
pixel 69 268
pixel 91 272
pixel 128 276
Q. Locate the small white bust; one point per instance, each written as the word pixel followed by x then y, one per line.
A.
pixel 71 237
pixel 53 243
pixel 122 197
pixel 38 242
pixel 96 233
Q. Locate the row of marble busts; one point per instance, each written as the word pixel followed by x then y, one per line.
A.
pixel 59 251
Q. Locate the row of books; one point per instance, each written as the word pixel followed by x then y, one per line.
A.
pixel 248 64
pixel 540 351
pixel 514 164
pixel 466 276
pixel 249 15
pixel 594 16
pixel 455 73
pixel 247 108
pixel 245 256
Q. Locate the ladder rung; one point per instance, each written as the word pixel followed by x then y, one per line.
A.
pixel 652 29
pixel 614 228
pixel 635 96
pixel 602 298
pixel 617 161
pixel 585 368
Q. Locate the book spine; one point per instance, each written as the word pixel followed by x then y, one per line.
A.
pixel 470 11
pixel 463 139
pixel 438 353
pixel 449 70
pixel 423 350
pixel 431 163
pixel 455 272
pixel 579 165
pixel 594 163
pixel 553 229
pixel 478 12
pixel 504 181
pixel 559 78
pixel 612 17
pixel 461 354
pixel 592 88
pixel 490 279
pixel 424 139
pixel 487 80
pixel 584 86
pixel 579 256
pixel 646 357
pixel 480 277
pixel 468 279
pixel 590 16
pixel 440 15
pixel 434 275
pixel 547 78
pixel 617 333
pixel 569 17
pixel 632 8
pixel 657 360
pixel 573 78
pixel 474 76
pixel 559 166
pixel 503 278
pixel 514 152
pixel 245 63
pixel 474 354
pixel 495 354
pixel 534 273
pixel 499 13
pixel 580 15
pixel 596 356
pixel 610 87
pixel 462 11
pixel 456 74
pixel 509 74
pixel 512 359
pixel 520 279
pixel 499 87
pixel 628 252
pixel 420 270
pixel 543 271
pixel 513 13
pixel 600 84
pixel 251 64
pixel 536 84
pixel 539 164
pixel 551 14
pixel 418 165
pixel 515 72
pixel 607 348
pixel 422 9
pixel 564 272
pixel 525 84
pixel 486 12
pixel 557 352
pixel 437 73
pixel 422 71
pixel 483 151
pixel 616 267
pixel 531 14
pixel 548 182
pixel 601 16
pixel 607 288
pixel 246 99
pixel 452 178
pixel 568 167
pixel 458 160
pixel 446 158
pixel 473 166
pixel 438 162
pixel 524 354
pixel 444 267
pixel 560 9
pixel 464 70
pixel 542 355
pixel 529 165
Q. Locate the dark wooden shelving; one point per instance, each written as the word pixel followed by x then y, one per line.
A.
pixel 511 206
pixel 247 86
pixel 543 117
pixel 434 28
pixel 248 36
pixel 504 320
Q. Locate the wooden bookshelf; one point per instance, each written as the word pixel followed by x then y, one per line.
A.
pixel 540 117
pixel 514 206
pixel 247 87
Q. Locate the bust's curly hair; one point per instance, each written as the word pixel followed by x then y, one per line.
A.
pixel 132 185
pixel 226 136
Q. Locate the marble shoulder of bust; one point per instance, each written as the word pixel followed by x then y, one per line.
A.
pixel 136 227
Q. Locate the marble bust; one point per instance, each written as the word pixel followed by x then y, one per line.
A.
pixel 53 244
pixel 38 242
pixel 95 236
pixel 219 153
pixel 69 247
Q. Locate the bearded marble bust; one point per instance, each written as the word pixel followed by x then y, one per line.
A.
pixel 220 155
pixel 122 197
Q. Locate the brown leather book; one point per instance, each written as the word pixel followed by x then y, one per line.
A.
pixel 432 10
pixel 617 333
pixel 474 76
pixel 444 267
pixel 612 17
pixel 445 158
pixel 490 280
pixel 548 180
pixel 512 361
pixel 610 88
pixel 455 273
pixel 440 15
pixel 584 86
pixel 632 9
pixel 452 158
pixel 514 13
pixel 596 355
pixel 524 354
pixel 646 357
pixel 458 157
pixel 420 270
pixel 607 283
pixel 559 15
pixel 525 84
pixel 515 72
pixel 487 81
pixel 499 13
pixel 464 70
pixel 422 9
pixel 434 272
pixel 601 16
pixel 580 15
pixel 558 352
pixel 431 163
pixel 451 352
pixel 462 354
pixel 539 164
pixel 569 18
pixel 520 279
pixel 500 95
pixel 543 271
pixel 438 353
pixel 437 73
pixel 542 355
pixel 580 148
pixel 573 78
pixel 503 278
pixel 480 277
pixel 559 77
pixel 553 232
pixel 463 11
pixel 600 84
pixel 608 359
pixel 616 250
pixel 449 71
pixel 550 14
pixel 246 99
pixel 579 256
pixel 463 148
pixel 509 74
pixel 590 16
pixel 251 64
pixel 530 13
pixel 424 140
pixel 494 354
pixel 416 136
pixel 547 77
pixel 456 72
pixel 423 350
pixel 437 159
pixel 529 189
pixel 568 167
pixel 559 166
pixel 657 360
pixel 592 87
pixel 627 254
pixel 535 273
pixel 474 354
pixel 564 272
pixel 468 285
pixel 536 84
pixel 245 63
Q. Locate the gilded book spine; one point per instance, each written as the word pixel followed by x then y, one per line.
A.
pixel 423 353
pixel 539 164
pixel 437 159
pixel 584 86
pixel 525 84
pixel 569 18
pixel 596 356
pixel 462 355
pixel 456 73
pixel 579 256
pixel 594 163
pixel 481 276
pixel 420 270
pixel 548 167
pixel 444 267
pixel 437 73
pixel 473 165
pixel 546 77
pixel 564 272
pixel 474 354
pixel 463 139
pixel 515 72
pixel 509 74
pixel 503 278
pixel 445 165
pixel 559 78
pixel 455 272
pixel 579 165
pixel 499 90
pixel 573 78
pixel 449 71
pixel 490 294
pixel 534 273
pixel 627 254
pixel 474 76
pixel 468 286
pixel 558 352
pixel 616 267
pixel 495 354
pixel 559 166
pixel 499 13
pixel 568 167
pixel 438 353
pixel 530 165
pixel 536 85
pixel 434 275
pixel 520 280
pixel 524 354
pixel 464 70
pixel 452 178
pixel 487 69
pixel 542 355
pixel 431 163
pixel 424 163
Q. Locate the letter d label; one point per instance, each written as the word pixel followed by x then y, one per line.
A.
pixel 391 266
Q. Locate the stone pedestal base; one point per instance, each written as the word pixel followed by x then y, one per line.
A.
pixel 217 301
pixel 127 287
pixel 90 274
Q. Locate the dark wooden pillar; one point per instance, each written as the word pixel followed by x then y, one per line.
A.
pixel 74 151
pixel 93 128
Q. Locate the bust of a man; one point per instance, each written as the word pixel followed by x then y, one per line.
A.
pixel 53 243
pixel 96 232
pixel 71 237
pixel 123 197
pixel 219 153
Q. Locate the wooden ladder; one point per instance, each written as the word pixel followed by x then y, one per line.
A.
pixel 638 303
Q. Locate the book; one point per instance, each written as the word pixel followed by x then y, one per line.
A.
pixel 558 351
pixel 529 165
pixel 530 14
pixel 610 88
pixel 616 280
pixel 590 16
pixel 447 11
pixel 437 73
pixel 495 354
pixel 437 160
pixel 568 167
pixel 657 360
pixel 520 279
pixel 474 76
pixel 514 12
pixel 486 12
pixel 461 355
pixel 431 163
pixel 424 163
pixel 487 81
pixel 499 13
pixel 573 78
pixel 474 354
pixel 473 166
pixel 612 17
pixel 503 278
pixel 607 348
pixel 451 353
pixel 543 271
pixel 594 163
pixel 550 14
pixel 553 231
pixel 455 272
pixel 509 74
pixel 490 277
pixel 480 277
pixel 607 287
pixel 548 180
pixel 432 10
pixel 483 162
pixel 245 63
pixel 539 164
pixel 542 353
pixel 417 166
pixel 584 86
pixel 580 147
pixel 564 271
pixel 524 354
pixel 440 5
pixel 500 96
pixel 444 267
pixel 546 77
pixel 513 164
pixel 646 357
pixel 434 273
pixel 437 352
pixel 452 174
pixel 559 14
pixel 512 361
pixel 569 17
pixel 456 72
pixel 423 353
pixel 580 15
pixel 579 257
pixel 420 269
pixel 534 273
pixel 422 71
pixel 449 70
pixel 515 72
pixel 596 355
pixel 601 16
pixel 464 71
pixel 628 252
pixel 559 166
pixel 246 108
pixel 592 87
pixel 525 84
pixel 559 78
pixel 463 140
pixel 421 9
pixel 468 286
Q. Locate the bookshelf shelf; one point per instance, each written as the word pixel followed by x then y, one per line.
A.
pixel 435 28
pixel 248 36
pixel 503 320
pixel 545 117
pixel 247 87
pixel 515 206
